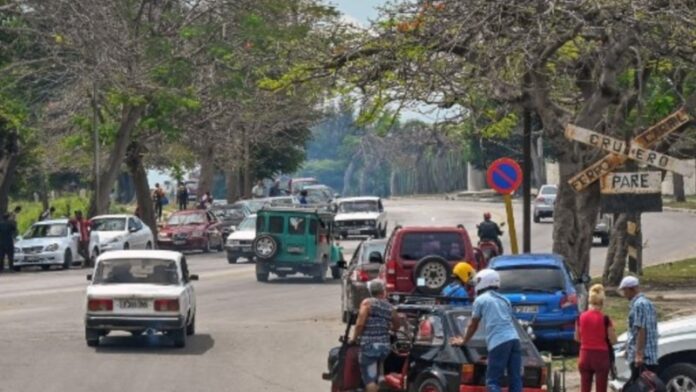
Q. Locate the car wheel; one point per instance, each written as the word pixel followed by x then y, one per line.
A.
pixel 430 385
pixel 435 272
pixel 680 377
pixel 67 259
pixel 179 337
pixel 605 240
pixel 191 328
pixel 92 337
pixel 265 247
pixel 537 218
pixel 335 272
pixel 45 267
pixel 261 275
pixel 232 259
pixel 148 246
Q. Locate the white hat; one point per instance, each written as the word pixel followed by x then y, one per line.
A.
pixel 629 282
pixel 485 279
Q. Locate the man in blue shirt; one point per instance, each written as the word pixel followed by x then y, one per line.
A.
pixel 463 276
pixel 502 340
pixel 641 347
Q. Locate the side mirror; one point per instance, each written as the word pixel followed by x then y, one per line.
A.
pixel 376 257
pixel 193 277
pixel 132 229
pixel 89 277
pixel 342 264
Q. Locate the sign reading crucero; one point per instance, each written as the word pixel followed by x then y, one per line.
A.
pixel 636 182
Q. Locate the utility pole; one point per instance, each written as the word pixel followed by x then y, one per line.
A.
pixel 527 182
pixel 95 136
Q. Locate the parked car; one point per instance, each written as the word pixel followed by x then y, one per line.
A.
pixel 230 216
pixel 545 202
pixel 361 216
pixel 297 184
pixel 602 229
pixel 423 360
pixel 320 195
pixel 47 243
pixel 239 243
pixel 136 291
pixel 543 291
pixel 362 268
pixel 118 232
pixel 420 259
pixel 676 347
pixel 294 240
pixel 191 230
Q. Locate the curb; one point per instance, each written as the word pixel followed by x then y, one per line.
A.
pixel 682 210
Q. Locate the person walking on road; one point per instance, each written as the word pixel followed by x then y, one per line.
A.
pixel 80 225
pixel 596 335
pixel 158 198
pixel 47 214
pixel 258 191
pixel 303 198
pixel 275 189
pixel 376 318
pixel 8 231
pixel 502 339
pixel 641 346
pixel 490 231
pixel 463 274
pixel 182 196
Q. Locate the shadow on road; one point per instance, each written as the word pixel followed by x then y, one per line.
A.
pixel 303 280
pixel 154 344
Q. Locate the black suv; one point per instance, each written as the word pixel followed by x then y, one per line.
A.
pixel 422 358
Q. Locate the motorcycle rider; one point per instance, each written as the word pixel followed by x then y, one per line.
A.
pixel 463 274
pixel 490 231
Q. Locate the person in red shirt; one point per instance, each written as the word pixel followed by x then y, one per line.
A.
pixel 80 225
pixel 596 335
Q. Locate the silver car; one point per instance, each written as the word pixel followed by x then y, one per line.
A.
pixel 544 203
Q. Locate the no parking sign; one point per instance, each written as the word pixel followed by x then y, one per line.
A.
pixel 505 176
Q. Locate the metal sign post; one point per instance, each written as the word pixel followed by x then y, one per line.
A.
pixel 505 176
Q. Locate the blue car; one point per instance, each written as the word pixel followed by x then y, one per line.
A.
pixel 543 292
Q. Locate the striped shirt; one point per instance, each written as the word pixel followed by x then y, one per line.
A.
pixel 642 315
pixel 378 322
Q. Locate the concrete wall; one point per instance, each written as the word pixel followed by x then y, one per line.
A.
pixel 689 183
pixel 553 175
pixel 475 179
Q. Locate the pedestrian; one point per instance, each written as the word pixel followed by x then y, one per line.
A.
pixel 80 225
pixel 641 346
pixel 15 213
pixel 206 201
pixel 275 189
pixel 463 274
pixel 303 197
pixel 596 335
pixel 502 339
pixel 47 214
pixel 8 231
pixel 158 199
pixel 376 319
pixel 258 191
pixel 182 196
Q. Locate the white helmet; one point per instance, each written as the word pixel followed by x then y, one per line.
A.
pixel 486 279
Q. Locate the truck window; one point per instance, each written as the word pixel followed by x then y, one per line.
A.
pixel 275 224
pixel 297 225
pixel 313 226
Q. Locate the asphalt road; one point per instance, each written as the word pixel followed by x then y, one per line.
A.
pixel 250 336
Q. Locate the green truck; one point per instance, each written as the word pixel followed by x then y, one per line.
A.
pixel 296 240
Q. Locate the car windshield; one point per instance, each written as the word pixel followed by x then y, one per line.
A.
pixel 369 247
pixel 248 224
pixel 229 212
pixel 549 190
pixel 108 224
pixel 359 206
pixel 416 246
pixel 317 196
pixel 47 231
pixel 543 280
pixel 186 219
pixel 144 271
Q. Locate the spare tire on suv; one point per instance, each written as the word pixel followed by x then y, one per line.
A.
pixel 435 273
pixel 265 247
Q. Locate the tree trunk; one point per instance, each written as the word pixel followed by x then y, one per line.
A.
pixel 678 182
pixel 232 182
pixel 8 165
pixel 617 252
pixel 207 162
pixel 575 216
pixel 134 161
pixel 130 115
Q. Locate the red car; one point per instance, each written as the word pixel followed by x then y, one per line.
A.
pixel 420 259
pixel 191 230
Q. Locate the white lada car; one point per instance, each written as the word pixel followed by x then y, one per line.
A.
pixel 139 291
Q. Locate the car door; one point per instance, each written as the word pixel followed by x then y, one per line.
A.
pixel 144 233
pixel 134 240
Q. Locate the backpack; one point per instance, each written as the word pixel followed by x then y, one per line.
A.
pixel 646 382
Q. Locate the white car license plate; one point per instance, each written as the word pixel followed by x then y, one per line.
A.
pixel 179 242
pixel 134 303
pixel 354 232
pixel 31 259
pixel 526 309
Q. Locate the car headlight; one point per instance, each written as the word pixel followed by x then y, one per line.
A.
pixel 52 248
pixel 197 233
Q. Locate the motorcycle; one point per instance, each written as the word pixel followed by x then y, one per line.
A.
pixel 488 250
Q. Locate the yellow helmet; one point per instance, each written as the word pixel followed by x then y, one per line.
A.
pixel 464 271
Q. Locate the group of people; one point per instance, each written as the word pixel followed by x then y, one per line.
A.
pixel 159 199
pixel 595 332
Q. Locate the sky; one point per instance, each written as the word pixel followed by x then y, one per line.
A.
pixel 362 10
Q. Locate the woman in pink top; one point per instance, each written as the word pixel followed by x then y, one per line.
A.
pixel 595 333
